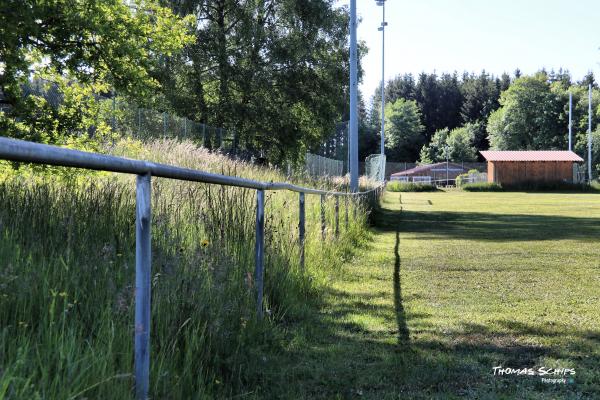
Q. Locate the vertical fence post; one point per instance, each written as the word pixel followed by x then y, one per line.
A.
pixel 204 135
pixel 323 216
pixel 143 259
pixel 139 122
pixel 301 229
pixel 346 208
pixel 164 124
pixel 260 250
pixel 337 216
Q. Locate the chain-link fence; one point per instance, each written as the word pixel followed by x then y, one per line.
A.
pixel 319 166
pixel 336 146
pixel 129 120
pixel 375 167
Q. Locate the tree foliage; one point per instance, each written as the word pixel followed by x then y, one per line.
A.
pixel 458 143
pixel 434 151
pixel 447 100
pixel 534 114
pixel 403 129
pixel 273 71
pixel 79 49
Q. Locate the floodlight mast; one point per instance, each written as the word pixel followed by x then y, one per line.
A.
pixel 447 159
pixel 382 29
pixel 570 121
pixel 353 101
pixel 590 133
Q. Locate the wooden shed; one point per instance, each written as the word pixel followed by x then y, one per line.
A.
pixel 514 167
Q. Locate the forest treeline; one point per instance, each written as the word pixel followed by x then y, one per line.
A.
pixel 463 114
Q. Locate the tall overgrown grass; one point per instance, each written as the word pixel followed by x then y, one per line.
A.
pixel 67 264
pixel 396 186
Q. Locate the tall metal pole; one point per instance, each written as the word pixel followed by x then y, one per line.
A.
pixel 143 273
pixel 570 121
pixel 259 251
pixel 590 133
pixel 353 101
pixel 301 228
pixel 446 151
pixel 382 29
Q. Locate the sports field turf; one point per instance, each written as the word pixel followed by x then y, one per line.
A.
pixel 453 285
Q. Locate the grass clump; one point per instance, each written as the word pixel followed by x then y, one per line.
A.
pixel 67 251
pixel 396 186
pixel 482 187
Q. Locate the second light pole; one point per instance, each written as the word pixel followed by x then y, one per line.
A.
pixel 382 29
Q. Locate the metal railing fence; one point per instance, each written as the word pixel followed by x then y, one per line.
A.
pixel 23 151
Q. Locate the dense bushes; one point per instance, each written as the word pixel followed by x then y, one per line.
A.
pixel 463 179
pixel 396 186
pixel 482 187
pixel 532 187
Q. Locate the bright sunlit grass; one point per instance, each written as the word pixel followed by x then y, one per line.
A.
pixel 67 263
pixel 455 284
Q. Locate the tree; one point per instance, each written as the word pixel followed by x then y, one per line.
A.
pixel 504 82
pixel 459 144
pixel 580 123
pixel 589 79
pixel 447 101
pixel 403 130
pixel 80 49
pixel 427 95
pixel 400 87
pixel 529 117
pixel 273 71
pixel 450 101
pixel 434 151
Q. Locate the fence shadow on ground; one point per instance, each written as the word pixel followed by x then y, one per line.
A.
pixel 403 334
pixel 493 227
pixel 342 358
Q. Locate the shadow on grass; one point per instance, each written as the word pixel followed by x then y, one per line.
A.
pixel 342 357
pixel 403 335
pixel 489 226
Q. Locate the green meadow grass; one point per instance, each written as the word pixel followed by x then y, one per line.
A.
pixel 447 286
pixel 453 285
pixel 67 264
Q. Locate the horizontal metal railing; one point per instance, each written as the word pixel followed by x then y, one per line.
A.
pixel 23 151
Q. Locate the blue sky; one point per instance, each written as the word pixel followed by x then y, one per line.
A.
pixel 498 36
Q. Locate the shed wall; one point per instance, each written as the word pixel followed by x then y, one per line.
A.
pixel 514 172
pixel 490 171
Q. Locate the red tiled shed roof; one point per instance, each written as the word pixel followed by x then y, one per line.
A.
pixel 531 155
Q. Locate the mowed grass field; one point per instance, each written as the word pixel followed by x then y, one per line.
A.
pixel 455 284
